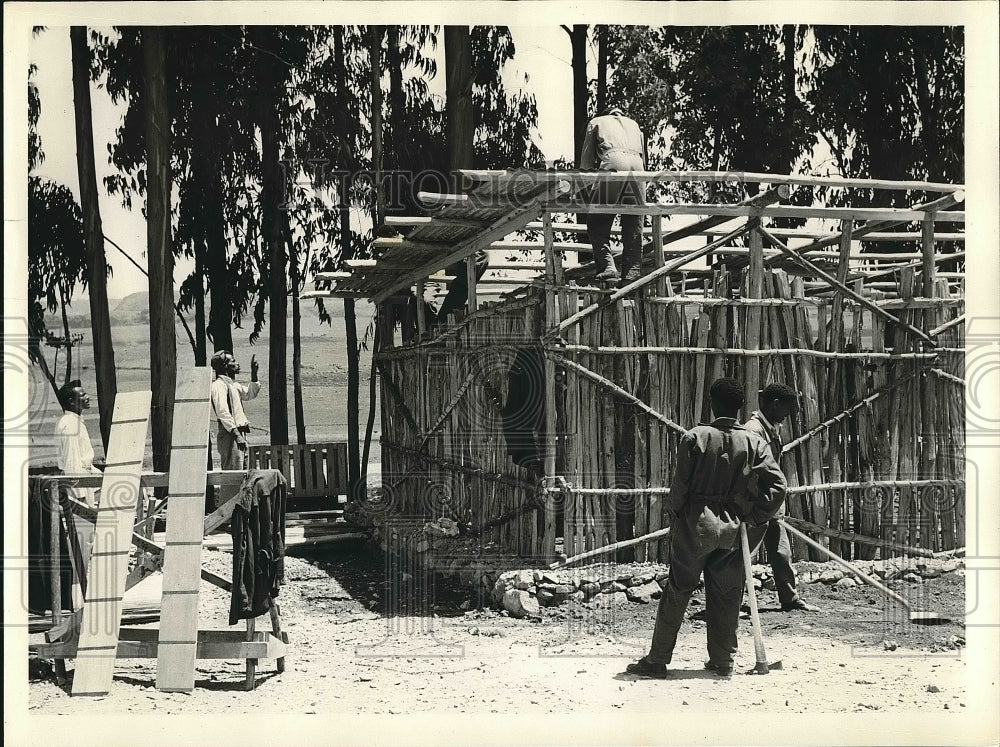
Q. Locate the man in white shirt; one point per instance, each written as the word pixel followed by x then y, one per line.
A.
pixel 75 451
pixel 76 457
pixel 228 396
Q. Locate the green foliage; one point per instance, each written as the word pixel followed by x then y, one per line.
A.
pixel 890 100
pixel 57 254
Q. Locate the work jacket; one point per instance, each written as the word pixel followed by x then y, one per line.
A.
pixel 716 464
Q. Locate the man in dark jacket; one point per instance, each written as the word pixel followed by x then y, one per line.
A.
pixel 710 495
pixel 777 402
pixel 614 142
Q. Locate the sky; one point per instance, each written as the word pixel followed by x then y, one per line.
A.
pixel 542 53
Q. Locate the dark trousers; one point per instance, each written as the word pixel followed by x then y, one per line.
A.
pixel 599 228
pixel 708 543
pixel 231 456
pixel 779 553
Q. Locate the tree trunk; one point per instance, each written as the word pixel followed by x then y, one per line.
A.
pixel 63 300
pixel 578 41
pixel 200 354
pixel 458 92
pixel 271 199
pixel 159 250
pixel 602 67
pixel 375 60
pixel 300 418
pixel 788 41
pixel 210 237
pixel 397 101
pixel 93 231
pixel 347 252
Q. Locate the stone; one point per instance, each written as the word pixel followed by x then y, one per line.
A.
pixel 504 583
pixel 831 576
pixel 930 572
pixel 524 581
pixel 546 598
pixel 520 603
pixel 589 579
pixel 466 605
pixel 549 579
pixel 641 579
pixel 889 644
pixel 577 596
pixel 846 583
pixel 933 688
pixel 563 589
pixel 643 594
pixel 662 575
pixel 911 577
pixel 590 588
pixel 950 566
pixel 617 586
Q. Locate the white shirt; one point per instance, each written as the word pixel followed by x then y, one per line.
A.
pixel 76 452
pixel 227 401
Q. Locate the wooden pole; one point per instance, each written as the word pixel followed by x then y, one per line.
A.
pixel 658 534
pixel 548 548
pixel 753 315
pixel 614 388
pixel 805 263
pixel 651 277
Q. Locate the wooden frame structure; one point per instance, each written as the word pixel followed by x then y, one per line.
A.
pixel 92 634
pixel 873 340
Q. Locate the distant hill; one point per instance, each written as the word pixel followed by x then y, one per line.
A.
pixel 134 309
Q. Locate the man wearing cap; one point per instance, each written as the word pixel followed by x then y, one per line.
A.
pixel 614 142
pixel 228 396
pixel 777 402
pixel 75 454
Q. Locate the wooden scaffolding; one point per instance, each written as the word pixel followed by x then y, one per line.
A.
pixel 864 318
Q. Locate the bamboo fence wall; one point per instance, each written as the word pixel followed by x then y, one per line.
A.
pixel 876 449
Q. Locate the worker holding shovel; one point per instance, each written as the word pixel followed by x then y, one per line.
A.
pixel 709 497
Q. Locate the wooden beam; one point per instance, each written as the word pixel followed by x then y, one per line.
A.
pixel 583 178
pixel 108 566
pixel 894 215
pixel 185 521
pixel 498 229
pixel 847 291
pixel 875 224
pixel 651 277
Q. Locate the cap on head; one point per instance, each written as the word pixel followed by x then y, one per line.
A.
pixel 221 360
pixel 727 395
pixel 779 393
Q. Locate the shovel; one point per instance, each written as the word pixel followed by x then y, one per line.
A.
pixel 762 666
pixel 920 617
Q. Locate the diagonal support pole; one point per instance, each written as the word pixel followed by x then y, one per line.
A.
pixel 647 279
pixel 615 389
pixel 861 300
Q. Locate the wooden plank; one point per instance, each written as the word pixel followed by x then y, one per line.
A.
pixel 185 530
pixel 583 178
pixel 108 565
pixel 551 320
pixel 753 316
pixel 213 644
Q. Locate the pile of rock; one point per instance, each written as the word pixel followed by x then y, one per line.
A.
pixel 486 569
pixel 910 570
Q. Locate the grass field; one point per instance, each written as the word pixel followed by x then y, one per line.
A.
pixel 324 381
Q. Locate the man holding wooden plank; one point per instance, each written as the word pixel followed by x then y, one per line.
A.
pixel 777 402
pixel 724 475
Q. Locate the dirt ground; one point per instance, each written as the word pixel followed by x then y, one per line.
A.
pixel 354 651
